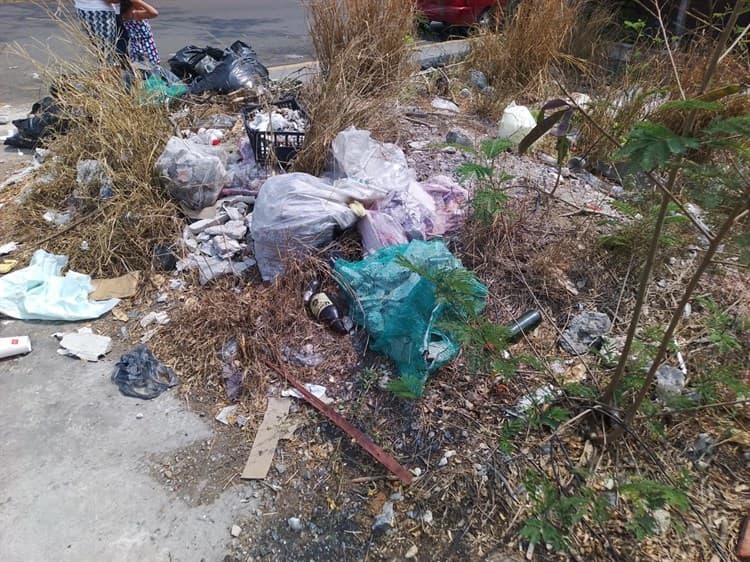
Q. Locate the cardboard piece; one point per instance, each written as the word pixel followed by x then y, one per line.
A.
pixel 118 288
pixel 271 430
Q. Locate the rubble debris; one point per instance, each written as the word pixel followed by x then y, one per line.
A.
pixel 154 317
pixel 670 381
pixel 445 105
pixel 40 292
pixel 211 268
pixel 84 344
pixel 272 429
pixel 383 522
pixel 584 331
pixel 121 287
pixel 363 440
pixel 516 122
pixel 16 345
pixel 141 375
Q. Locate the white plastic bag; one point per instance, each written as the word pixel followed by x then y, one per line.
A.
pixel 516 122
pixel 193 172
pixel 40 292
pixel 381 166
pixel 297 211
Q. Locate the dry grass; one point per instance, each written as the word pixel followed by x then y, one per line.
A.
pixel 126 134
pixel 364 52
pixel 541 37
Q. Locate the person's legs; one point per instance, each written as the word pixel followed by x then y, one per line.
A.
pixel 100 25
pixel 141 42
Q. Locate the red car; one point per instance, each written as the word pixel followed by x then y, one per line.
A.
pixel 461 12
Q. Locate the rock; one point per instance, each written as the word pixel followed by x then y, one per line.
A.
pixel 662 521
pixel 426 517
pixel 669 382
pixel 419 145
pixel 457 137
pixel 383 522
pixel 236 531
pixel 139 416
pixel 4 119
pixel 478 79
pixel 295 524
pixel 488 91
pixel 703 450
pixel 465 93
pixel 168 474
pixel 412 552
pixel 445 105
pixel 584 331
pixel 280 467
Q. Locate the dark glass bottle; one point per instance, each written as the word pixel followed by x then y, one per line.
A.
pixel 523 325
pixel 322 307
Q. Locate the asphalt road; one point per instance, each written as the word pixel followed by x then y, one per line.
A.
pixel 277 29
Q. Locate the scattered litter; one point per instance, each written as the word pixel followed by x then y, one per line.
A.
pixel 399 309
pixel 315 389
pixel 516 122
pixel 227 416
pixel 363 440
pixel 271 430
pixel 59 219
pixel 119 287
pixel 8 248
pixel 91 175
pixel 6 265
pixel 537 398
pixel 141 375
pixel 235 531
pixel 670 381
pixel 84 344
pixel 17 345
pixel 295 524
pixel 45 119
pixel 231 373
pixel 39 292
pixel 584 331
pixel 152 317
pixel 383 522
pixel 444 459
pixel 119 314
pixel 703 450
pixel 445 105
pixel 306 357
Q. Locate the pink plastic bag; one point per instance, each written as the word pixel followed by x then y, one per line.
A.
pixel 379 230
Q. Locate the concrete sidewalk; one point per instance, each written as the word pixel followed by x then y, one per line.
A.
pixel 75 483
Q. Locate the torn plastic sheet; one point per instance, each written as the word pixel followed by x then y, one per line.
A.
pixel 40 292
pixel 141 375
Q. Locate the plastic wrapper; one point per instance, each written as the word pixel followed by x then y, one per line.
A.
pixel 400 310
pixel 450 201
pixel 41 292
pixel 516 122
pixel 192 172
pixel 45 120
pixel 141 375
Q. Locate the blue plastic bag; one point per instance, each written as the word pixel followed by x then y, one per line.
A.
pixel 400 310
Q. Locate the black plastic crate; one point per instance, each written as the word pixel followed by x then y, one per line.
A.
pixel 281 146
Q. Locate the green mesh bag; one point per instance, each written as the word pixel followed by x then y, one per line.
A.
pixel 399 308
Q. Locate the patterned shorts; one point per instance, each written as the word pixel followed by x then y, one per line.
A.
pixel 100 25
pixel 141 44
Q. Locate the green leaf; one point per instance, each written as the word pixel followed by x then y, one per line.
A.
pixel 467 170
pixel 735 126
pixel 691 105
pixel 651 145
pixel 488 203
pixel 407 386
pixel 492 148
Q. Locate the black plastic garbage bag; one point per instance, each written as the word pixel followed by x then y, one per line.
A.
pixel 239 68
pixel 141 375
pixel 44 121
pixel 192 61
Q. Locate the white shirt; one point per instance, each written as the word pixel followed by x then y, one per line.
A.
pixel 97 5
